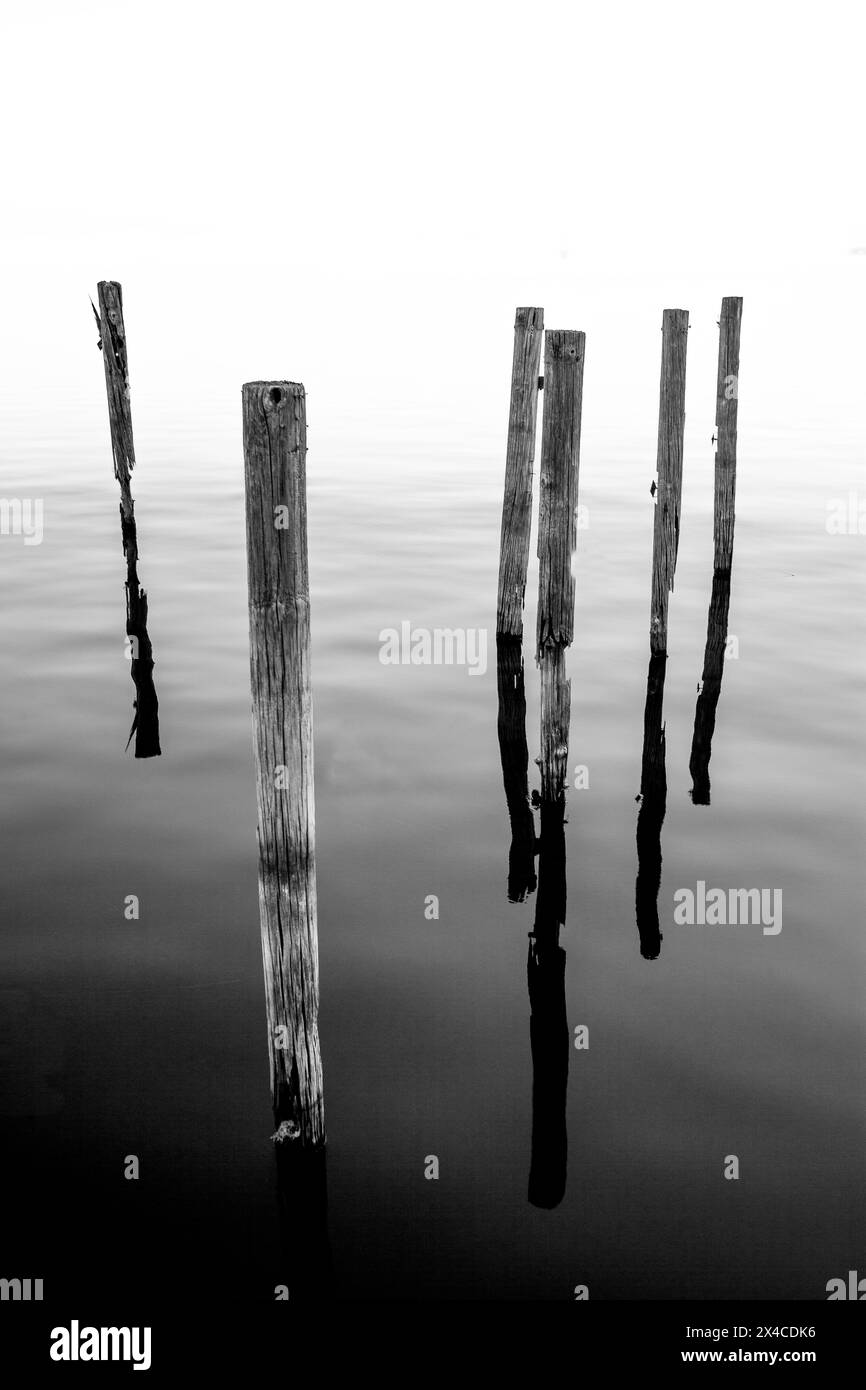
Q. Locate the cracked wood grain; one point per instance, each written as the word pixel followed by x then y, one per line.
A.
pixel 727 394
pixel 112 340
pixel 520 453
pixel 274 430
pixel 564 353
pixel 666 525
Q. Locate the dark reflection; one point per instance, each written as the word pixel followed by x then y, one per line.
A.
pixel 548 1022
pixel 306 1269
pixel 711 687
pixel 514 755
pixel 545 966
pixel 653 800
pixel 145 724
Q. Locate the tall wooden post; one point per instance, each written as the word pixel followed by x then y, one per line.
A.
pixel 727 394
pixel 275 446
pixel 560 461
pixel 672 417
pixel 555 721
pixel 520 452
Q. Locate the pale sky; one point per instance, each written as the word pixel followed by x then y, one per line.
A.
pixel 221 160
pixel 450 135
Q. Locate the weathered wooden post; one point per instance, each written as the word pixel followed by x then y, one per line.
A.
pixel 727 395
pixel 275 445
pixel 520 451
pixel 116 363
pixel 555 721
pixel 672 416
pixel 112 340
pixel 560 461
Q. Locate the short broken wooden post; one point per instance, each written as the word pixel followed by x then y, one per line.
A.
pixel 672 416
pixel 116 363
pixel 560 462
pixel 274 425
pixel 520 452
pixel 727 395
pixel 112 340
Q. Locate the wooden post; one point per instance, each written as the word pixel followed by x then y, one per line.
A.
pixel 555 720
pixel 520 452
pixel 275 446
pixel 727 392
pixel 560 460
pixel 557 537
pixel 116 363
pixel 112 340
pixel 666 536
pixel 672 416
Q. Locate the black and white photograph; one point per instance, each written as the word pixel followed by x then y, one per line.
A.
pixel 432 592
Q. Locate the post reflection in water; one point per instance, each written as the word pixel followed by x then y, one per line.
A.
pixel 306 1268
pixel 653 801
pixel 711 687
pixel 545 965
pixel 514 755
pixel 145 724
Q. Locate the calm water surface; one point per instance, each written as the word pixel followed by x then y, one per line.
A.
pixel 148 1037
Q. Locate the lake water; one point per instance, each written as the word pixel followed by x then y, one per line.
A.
pixel 148 1037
